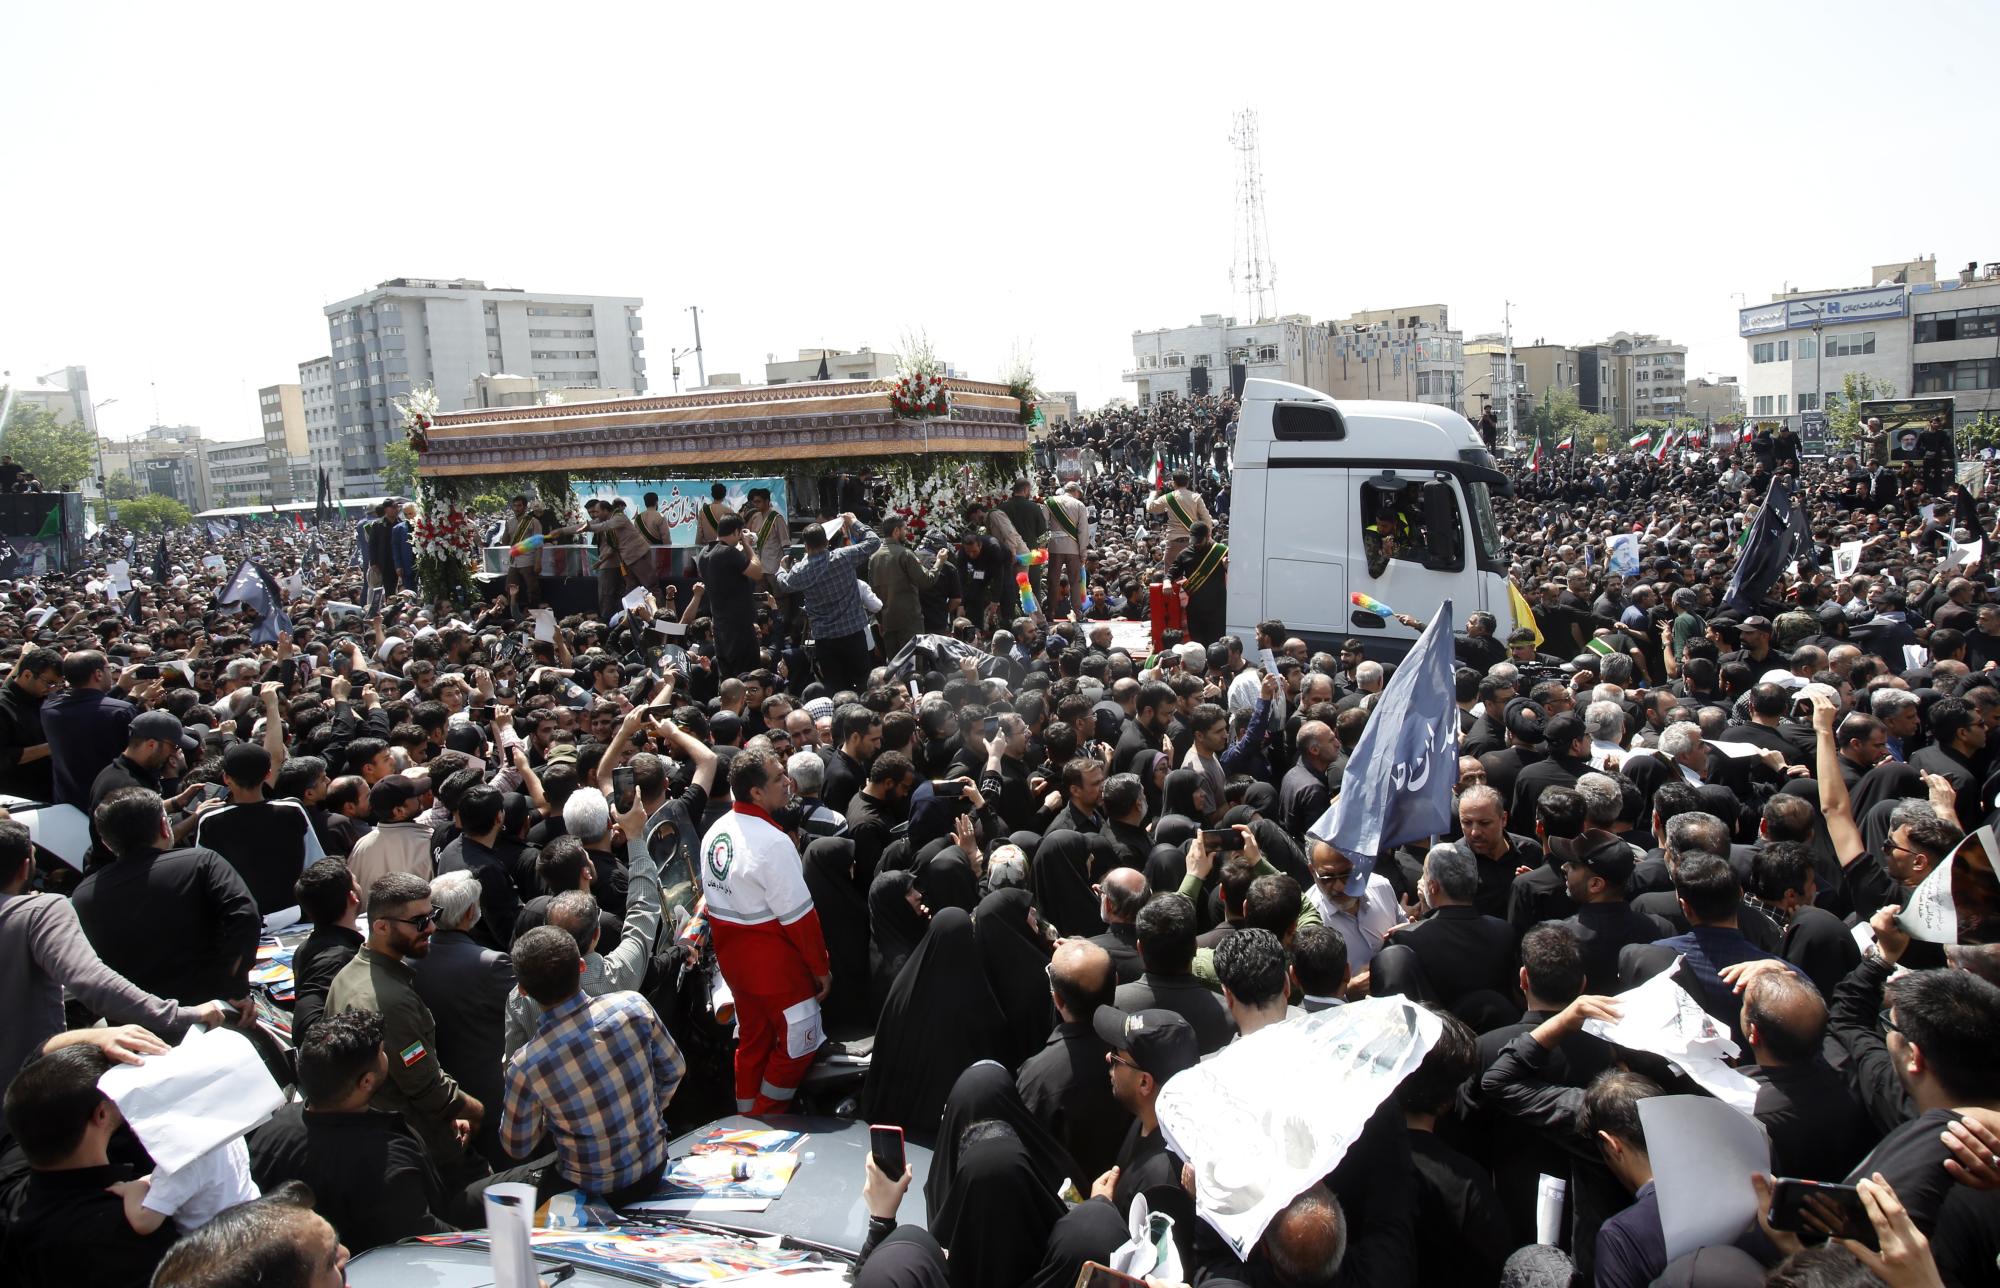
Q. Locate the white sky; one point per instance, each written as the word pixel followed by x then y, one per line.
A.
pixel 188 191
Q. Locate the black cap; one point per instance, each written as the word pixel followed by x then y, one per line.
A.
pixel 161 726
pixel 1757 624
pixel 1160 1042
pixel 1604 853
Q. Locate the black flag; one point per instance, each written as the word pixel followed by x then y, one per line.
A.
pixel 822 375
pixel 162 566
pixel 324 500
pixel 1770 546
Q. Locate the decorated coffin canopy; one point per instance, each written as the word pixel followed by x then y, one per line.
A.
pixel 673 435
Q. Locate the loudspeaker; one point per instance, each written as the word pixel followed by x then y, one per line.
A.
pixel 1237 374
pixel 1198 380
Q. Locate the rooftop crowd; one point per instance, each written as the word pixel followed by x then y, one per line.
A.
pixel 1047 875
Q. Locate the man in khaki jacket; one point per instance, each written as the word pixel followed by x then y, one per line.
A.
pixel 1184 508
pixel 898 578
pixel 624 560
pixel 1069 542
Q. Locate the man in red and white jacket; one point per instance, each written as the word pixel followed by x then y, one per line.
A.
pixel 766 934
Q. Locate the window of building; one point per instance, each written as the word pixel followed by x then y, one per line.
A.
pixel 1781 404
pixel 1765 352
pixel 1204 359
pixel 1949 377
pixel 1808 402
pixel 1175 358
pixel 1761 405
pixel 1784 350
pixel 1808 347
pixel 1958 324
pixel 1267 353
pixel 1848 346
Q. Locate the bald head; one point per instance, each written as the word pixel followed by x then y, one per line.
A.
pixel 1082 979
pixel 1125 891
pixel 1307 1241
pixel 1784 1016
pixel 1316 743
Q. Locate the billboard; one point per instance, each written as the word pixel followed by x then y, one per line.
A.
pixel 1829 310
pixel 680 499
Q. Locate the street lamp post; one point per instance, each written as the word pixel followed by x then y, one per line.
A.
pixel 97 441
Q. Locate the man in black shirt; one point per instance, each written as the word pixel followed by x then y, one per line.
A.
pixel 479 820
pixel 178 923
pixel 875 811
pixel 329 899
pixel 1147 728
pixel 370 1174
pixel 1121 894
pixel 1066 1084
pixel 857 734
pixel 24 749
pixel 70 1228
pixel 1595 868
pixel 1454 1193
pixel 1147 1048
pixel 731 572
pixel 270 843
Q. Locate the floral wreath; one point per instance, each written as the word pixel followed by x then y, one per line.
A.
pixel 919 392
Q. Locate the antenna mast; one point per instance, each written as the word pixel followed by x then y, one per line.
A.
pixel 1253 275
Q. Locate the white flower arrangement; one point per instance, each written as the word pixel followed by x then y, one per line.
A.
pixel 419 408
pixel 919 392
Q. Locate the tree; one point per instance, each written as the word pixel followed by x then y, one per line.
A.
pixel 1981 433
pixel 152 513
pixel 1559 415
pixel 1843 410
pixel 120 487
pixel 399 475
pixel 59 455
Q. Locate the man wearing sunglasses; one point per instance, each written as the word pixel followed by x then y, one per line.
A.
pixel 401 920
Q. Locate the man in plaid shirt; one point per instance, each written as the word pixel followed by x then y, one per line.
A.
pixel 597 1076
pixel 829 580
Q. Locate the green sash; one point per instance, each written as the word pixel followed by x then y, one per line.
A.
pixel 708 512
pixel 1211 560
pixel 764 533
pixel 1180 511
pixel 1068 525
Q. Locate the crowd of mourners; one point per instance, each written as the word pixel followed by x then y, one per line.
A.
pixel 571 892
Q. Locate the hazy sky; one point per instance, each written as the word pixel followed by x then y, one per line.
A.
pixel 190 185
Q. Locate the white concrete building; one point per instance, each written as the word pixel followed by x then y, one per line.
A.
pixel 1201 358
pixel 322 424
pixel 282 413
pixel 1955 340
pixel 236 474
pixel 409 332
pixel 864 363
pixel 1800 346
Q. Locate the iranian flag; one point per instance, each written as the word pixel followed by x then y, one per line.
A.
pixel 1666 441
pixel 1159 471
pixel 1567 443
pixel 1535 458
pixel 1643 440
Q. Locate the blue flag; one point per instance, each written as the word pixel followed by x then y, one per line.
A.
pixel 1398 783
pixel 252 587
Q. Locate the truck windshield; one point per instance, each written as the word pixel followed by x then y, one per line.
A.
pixel 1486 532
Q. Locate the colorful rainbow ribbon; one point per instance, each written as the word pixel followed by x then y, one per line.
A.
pixel 1032 558
pixel 1370 604
pixel 1028 604
pixel 533 541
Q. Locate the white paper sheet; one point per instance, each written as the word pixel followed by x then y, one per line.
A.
pixel 1253 1143
pixel 510 1217
pixel 1914 656
pixel 633 598
pixel 1549 1194
pixel 211 1088
pixel 545 623
pixel 1703 1154
pixel 1662 1017
pixel 1846 558
pixel 1931 914
pixel 1268 661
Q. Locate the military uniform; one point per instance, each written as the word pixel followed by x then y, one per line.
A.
pixel 1184 508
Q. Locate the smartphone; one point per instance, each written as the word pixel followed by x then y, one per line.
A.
pixel 482 715
pixel 992 725
pixel 145 671
pixel 1838 1205
pixel 947 788
pixel 623 787
pixel 214 791
pixel 886 1144
pixel 374 604
pixel 1219 839
pixel 1096 1275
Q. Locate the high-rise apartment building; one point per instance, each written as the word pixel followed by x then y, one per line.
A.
pixel 282 414
pixel 409 332
pixel 322 424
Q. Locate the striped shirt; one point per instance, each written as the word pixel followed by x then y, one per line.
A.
pixel 597 1076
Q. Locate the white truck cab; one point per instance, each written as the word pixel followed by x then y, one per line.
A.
pixel 1389 499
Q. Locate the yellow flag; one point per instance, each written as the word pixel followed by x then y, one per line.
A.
pixel 1524 616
